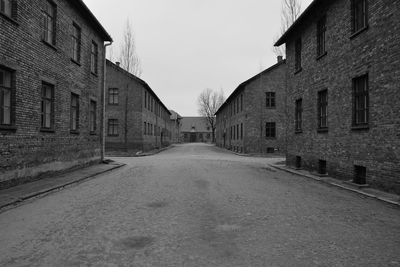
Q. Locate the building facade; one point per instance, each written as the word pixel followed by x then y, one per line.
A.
pixel 176 124
pixel 343 91
pixel 195 130
pixel 51 82
pixel 253 118
pixel 136 119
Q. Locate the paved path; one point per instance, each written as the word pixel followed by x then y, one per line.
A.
pixel 197 205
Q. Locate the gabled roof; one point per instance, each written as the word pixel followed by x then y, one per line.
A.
pixel 88 15
pixel 140 81
pixel 199 123
pixel 243 84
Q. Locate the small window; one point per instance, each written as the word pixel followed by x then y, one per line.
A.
pixel 359 15
pixel 241 131
pixel 241 102
pixel 321 35
pixel 322 166
pixel 47 112
pixel 144 128
pixel 237 132
pixel 74 116
pixel 76 43
pixel 6 96
pixel 360 101
pixel 93 117
pixel 145 99
pixel 298 162
pixel 49 23
pixel 94 58
pixel 270 100
pixel 360 175
pixel 299 115
pixel 297 58
pixel 6 7
pixel 113 96
pixel 270 130
pixel 113 127
pixel 323 109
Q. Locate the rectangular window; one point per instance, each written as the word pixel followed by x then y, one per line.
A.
pixel 321 35
pixel 144 128
pixel 299 115
pixel 241 131
pixel 49 23
pixel 322 166
pixel 6 97
pixel 360 175
pixel 241 102
pixel 113 96
pixel 5 7
pixel 238 105
pixel 237 131
pixel 360 101
pixel 94 58
pixel 145 99
pixel 323 109
pixel 47 112
pixel 270 99
pixel 74 116
pixel 76 43
pixel 359 15
pixel 113 127
pixel 93 117
pixel 297 58
pixel 270 130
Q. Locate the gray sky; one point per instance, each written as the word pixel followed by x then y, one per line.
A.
pixel 188 45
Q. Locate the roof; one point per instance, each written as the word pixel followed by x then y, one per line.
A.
pixel 175 115
pixel 140 81
pixel 243 84
pixel 199 123
pixel 88 15
pixel 299 21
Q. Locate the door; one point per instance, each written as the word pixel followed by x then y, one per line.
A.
pixel 193 137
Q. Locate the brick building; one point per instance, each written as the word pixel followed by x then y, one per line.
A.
pixel 343 91
pixel 176 124
pixel 195 129
pixel 252 119
pixel 136 119
pixel 51 80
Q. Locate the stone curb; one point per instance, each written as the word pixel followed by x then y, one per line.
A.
pixel 272 156
pixel 57 187
pixel 348 188
pixel 153 153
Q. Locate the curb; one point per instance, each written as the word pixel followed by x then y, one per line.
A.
pixel 154 153
pixel 57 187
pixel 348 188
pixel 251 155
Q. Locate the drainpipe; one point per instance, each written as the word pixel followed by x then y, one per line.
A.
pixel 103 119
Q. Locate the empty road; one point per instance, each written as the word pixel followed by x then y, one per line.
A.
pixel 198 205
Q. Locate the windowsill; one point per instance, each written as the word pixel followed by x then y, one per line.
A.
pixel 8 127
pixel 298 131
pixel 270 138
pixel 47 130
pixel 322 55
pixel 9 18
pixel 76 62
pixel 360 127
pixel 49 45
pixel 76 132
pixel 298 70
pixel 323 130
pixel 358 32
pixel 94 74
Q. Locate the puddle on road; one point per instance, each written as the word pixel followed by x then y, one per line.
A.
pixel 137 242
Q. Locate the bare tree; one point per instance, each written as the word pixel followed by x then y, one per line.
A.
pixel 209 102
pixel 291 10
pixel 129 58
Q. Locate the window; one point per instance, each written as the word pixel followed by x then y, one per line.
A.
pixel 322 166
pixel 241 102
pixel 49 23
pixel 359 15
pixel 145 99
pixel 238 105
pixel 270 130
pixel 360 175
pixel 6 98
pixel 144 128
pixel 93 117
pixel 113 127
pixel 360 101
pixel 241 131
pixel 297 58
pixel 299 115
pixel 298 162
pixel 94 58
pixel 323 109
pixel 237 131
pixel 321 30
pixel 47 114
pixel 74 116
pixel 5 7
pixel 76 43
pixel 113 96
pixel 270 99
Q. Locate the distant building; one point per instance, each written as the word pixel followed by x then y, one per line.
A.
pixel 343 91
pixel 195 129
pixel 176 124
pixel 136 119
pixel 51 80
pixel 253 118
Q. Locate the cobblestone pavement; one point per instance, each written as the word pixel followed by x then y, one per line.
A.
pixel 197 205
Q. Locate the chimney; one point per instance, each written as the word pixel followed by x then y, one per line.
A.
pixel 280 58
pixel 118 63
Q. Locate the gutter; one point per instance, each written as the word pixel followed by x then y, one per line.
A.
pixel 103 119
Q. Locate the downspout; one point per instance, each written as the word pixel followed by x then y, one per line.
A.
pixel 103 119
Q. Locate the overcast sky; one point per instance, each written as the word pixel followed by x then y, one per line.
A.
pixel 188 45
